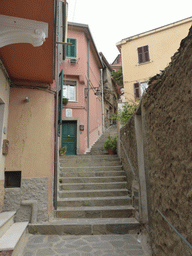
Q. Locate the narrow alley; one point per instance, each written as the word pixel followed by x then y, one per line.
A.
pixel 95 214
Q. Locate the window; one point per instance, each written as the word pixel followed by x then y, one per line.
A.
pixel 13 179
pixel 139 89
pixel 71 49
pixel 143 54
pixel 69 90
pixel 143 87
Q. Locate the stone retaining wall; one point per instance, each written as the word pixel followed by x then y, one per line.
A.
pixel 166 113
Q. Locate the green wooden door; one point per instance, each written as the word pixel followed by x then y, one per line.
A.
pixel 69 136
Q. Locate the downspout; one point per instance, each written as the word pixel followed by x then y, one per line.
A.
pixel 56 108
pixel 102 101
pixel 88 42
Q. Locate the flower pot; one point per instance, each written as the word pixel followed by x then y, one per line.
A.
pixel 111 151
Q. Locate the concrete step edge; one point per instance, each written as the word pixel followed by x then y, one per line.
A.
pixel 86 226
pixel 91 167
pixel 96 208
pixel 93 198
pixel 94 183
pixel 95 190
pixel 80 178
pixel 11 238
pixel 6 220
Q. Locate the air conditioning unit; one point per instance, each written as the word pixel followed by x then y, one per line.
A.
pixel 73 60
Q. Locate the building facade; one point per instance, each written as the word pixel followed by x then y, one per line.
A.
pixel 146 54
pixel 81 123
pixel 27 107
pixel 110 93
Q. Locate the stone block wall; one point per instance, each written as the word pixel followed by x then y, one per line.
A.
pixel 129 144
pixel 31 189
pixel 166 112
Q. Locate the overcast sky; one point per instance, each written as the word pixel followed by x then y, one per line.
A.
pixel 110 21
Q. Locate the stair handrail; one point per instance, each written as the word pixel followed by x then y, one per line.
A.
pixel 128 159
pixel 163 216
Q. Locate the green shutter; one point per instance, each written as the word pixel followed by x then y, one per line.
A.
pixel 71 49
pixel 60 101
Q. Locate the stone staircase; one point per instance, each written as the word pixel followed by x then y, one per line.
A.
pixel 11 234
pixel 97 148
pixel 92 196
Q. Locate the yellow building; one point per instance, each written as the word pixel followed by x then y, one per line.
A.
pixel 146 54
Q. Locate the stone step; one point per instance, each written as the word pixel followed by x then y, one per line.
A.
pixel 95 226
pixel 95 212
pixel 89 186
pixel 91 168
pixel 82 163
pixel 6 221
pixel 93 193
pixel 86 173
pixel 97 152
pixel 91 179
pixel 94 201
pixel 87 157
pixel 11 242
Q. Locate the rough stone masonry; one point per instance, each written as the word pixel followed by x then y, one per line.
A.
pixel 166 111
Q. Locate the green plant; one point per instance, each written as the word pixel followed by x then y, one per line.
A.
pixel 127 111
pixel 118 76
pixel 65 101
pixel 62 151
pixel 110 143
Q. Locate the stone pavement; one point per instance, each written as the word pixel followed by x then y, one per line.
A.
pixel 97 245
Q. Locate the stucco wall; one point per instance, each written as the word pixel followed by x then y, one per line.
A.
pixel 31 136
pixel 79 72
pixel 4 108
pixel 162 45
pixel 166 112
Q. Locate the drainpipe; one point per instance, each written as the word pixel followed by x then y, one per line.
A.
pixel 102 101
pixel 88 42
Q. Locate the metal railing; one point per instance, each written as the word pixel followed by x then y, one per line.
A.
pixel 128 159
pixel 163 216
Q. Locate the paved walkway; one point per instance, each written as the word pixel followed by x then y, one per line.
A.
pixel 97 245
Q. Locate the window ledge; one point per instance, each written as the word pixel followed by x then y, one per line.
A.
pixel 147 62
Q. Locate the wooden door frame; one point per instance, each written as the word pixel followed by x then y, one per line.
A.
pixel 68 119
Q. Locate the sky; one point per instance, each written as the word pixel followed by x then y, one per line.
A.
pixel 110 21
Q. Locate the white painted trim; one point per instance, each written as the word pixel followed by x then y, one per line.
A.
pixel 15 30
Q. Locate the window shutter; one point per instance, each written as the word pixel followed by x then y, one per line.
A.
pixel 140 54
pixel 136 90
pixel 71 49
pixel 146 53
pixel 143 54
pixel 60 101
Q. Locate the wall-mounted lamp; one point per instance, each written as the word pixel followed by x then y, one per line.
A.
pixel 96 91
pixel 27 99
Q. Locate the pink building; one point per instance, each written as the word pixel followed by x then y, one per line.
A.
pixel 82 116
pixel 117 63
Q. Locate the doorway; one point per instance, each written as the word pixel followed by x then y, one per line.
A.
pixel 69 137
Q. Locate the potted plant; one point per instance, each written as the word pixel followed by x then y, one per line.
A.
pixel 62 151
pixel 65 101
pixel 110 145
